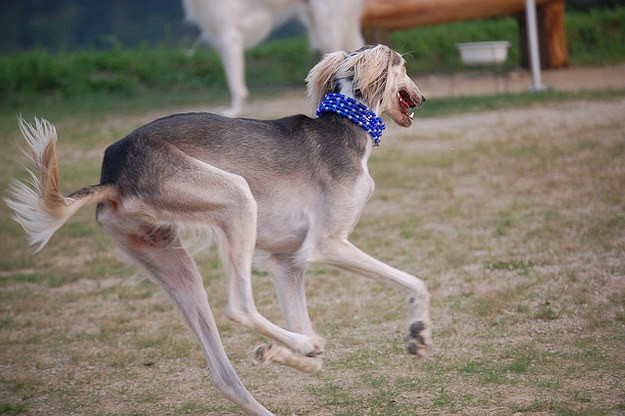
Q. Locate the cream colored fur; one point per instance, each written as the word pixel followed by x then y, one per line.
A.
pixel 235 25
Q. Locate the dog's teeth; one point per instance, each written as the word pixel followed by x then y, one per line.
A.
pixel 411 115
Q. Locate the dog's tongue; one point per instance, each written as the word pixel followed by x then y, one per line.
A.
pixel 402 101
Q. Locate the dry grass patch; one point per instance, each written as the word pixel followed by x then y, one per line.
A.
pixel 515 219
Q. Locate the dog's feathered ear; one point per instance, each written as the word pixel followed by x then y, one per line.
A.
pixel 321 78
pixel 371 67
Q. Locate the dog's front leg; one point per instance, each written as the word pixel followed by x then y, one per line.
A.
pixel 242 308
pixel 343 254
pixel 237 241
pixel 288 280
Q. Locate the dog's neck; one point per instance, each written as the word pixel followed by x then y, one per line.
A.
pixel 355 111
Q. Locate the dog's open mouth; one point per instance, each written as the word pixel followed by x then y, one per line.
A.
pixel 406 103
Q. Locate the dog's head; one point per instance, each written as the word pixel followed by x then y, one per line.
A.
pixel 373 75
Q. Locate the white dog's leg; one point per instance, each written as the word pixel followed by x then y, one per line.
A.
pixel 196 44
pixel 343 254
pixel 352 38
pixel 232 52
pixel 334 26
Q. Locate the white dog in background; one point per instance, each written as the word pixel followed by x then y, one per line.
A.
pixel 235 25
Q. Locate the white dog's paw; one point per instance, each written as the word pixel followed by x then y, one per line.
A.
pixel 233 111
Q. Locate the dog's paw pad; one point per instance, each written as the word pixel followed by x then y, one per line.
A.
pixel 263 354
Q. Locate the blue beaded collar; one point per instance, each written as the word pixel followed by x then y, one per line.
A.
pixel 354 111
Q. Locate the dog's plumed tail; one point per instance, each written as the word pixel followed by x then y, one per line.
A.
pixel 38 204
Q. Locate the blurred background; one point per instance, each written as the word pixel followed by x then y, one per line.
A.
pixel 66 25
pixel 60 49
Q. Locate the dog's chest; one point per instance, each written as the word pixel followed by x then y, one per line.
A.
pixel 290 214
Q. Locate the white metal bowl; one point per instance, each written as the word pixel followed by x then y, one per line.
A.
pixel 483 53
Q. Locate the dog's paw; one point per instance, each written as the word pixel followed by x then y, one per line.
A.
pixel 276 354
pixel 263 354
pixel 418 339
pixel 314 347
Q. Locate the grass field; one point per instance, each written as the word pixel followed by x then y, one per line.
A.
pixel 514 217
pixel 510 207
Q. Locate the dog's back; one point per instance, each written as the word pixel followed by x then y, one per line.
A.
pixel 261 151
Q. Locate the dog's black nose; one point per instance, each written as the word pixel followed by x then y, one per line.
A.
pixel 422 98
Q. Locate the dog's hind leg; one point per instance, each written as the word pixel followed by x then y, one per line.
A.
pixel 343 254
pixel 159 251
pixel 204 194
pixel 197 193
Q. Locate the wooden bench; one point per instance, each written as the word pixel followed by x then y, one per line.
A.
pixel 383 16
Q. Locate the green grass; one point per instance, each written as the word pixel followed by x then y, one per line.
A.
pixel 90 75
pixel 11 409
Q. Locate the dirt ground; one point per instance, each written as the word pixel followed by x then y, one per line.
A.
pixel 483 82
pixel 478 82
pixel 515 218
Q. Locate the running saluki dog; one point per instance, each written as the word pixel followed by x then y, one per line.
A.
pixel 235 25
pixel 291 188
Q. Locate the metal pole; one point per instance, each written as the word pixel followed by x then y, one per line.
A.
pixel 532 39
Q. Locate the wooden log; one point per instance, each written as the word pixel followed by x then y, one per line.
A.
pixel 403 14
pixel 553 49
pixel 382 16
pixel 555 34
